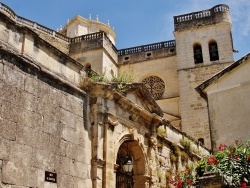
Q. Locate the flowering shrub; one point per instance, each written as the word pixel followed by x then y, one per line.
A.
pixel 232 163
pixel 183 179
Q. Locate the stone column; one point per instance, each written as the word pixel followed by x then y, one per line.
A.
pixel 152 161
pixel 109 171
pixel 97 162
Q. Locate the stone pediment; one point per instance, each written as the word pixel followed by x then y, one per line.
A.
pixel 134 93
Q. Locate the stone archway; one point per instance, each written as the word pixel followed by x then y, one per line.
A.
pixel 139 177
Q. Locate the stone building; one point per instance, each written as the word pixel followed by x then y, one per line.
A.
pixel 58 128
pixel 226 92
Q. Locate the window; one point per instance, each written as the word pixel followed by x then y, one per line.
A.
pixel 213 51
pixel 198 58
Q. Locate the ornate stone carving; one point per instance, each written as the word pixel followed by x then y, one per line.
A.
pixel 153 142
pixel 155 85
pixel 98 162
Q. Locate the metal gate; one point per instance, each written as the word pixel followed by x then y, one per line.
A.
pixel 124 179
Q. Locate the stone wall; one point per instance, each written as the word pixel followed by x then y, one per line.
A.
pixel 42 128
pixel 229 105
pixel 193 107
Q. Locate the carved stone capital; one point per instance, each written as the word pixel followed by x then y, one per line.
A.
pixel 98 162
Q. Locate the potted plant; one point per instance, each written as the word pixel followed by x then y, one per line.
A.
pixel 232 163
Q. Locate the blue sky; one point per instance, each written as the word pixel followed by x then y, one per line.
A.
pixel 136 22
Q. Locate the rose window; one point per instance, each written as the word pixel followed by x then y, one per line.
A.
pixel 155 85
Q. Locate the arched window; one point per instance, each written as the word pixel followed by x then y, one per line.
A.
pixel 198 58
pixel 213 51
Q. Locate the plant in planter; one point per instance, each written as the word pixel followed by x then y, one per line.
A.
pixel 99 78
pixel 161 131
pixel 176 152
pixel 186 143
pixel 122 79
pixel 232 163
pixel 173 158
pixel 184 156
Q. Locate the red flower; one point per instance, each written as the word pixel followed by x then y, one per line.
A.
pixel 179 184
pixel 243 184
pixel 190 182
pixel 248 158
pixel 212 160
pixel 235 158
pixel 222 147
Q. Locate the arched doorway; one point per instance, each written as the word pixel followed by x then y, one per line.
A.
pixel 124 173
pixel 131 166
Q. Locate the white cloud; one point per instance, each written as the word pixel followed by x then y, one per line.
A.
pixel 241 17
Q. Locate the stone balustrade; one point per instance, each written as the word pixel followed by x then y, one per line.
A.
pixel 26 22
pixel 145 48
pixel 87 37
pixel 205 16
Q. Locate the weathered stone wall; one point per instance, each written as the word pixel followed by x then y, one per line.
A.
pixel 98 52
pixel 221 33
pixel 58 43
pixel 117 123
pixel 229 105
pixel 193 107
pixel 25 42
pixel 42 128
pixel 194 113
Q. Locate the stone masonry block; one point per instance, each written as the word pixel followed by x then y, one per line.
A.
pixel 70 135
pixel 73 168
pixel 83 154
pixel 82 170
pixel 43 89
pixel 71 150
pixel 13 77
pixel 65 181
pixel 11 174
pixel 31 85
pixel 44 159
pixel 45 103
pixel 8 93
pixel 9 111
pixel 4 149
pixel 52 120
pixel 8 129
pixel 43 141
pixel 25 135
pixel 17 169
pixel 79 124
pixel 30 119
pixel 63 165
pixel 27 101
pixel 67 118
pixel 73 104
